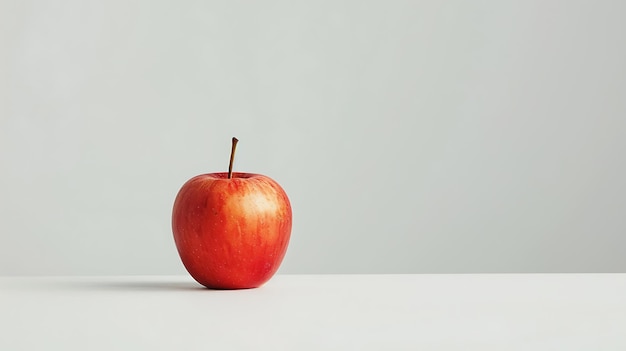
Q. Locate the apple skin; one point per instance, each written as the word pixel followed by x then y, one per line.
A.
pixel 231 233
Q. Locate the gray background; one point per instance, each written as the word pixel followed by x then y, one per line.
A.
pixel 411 136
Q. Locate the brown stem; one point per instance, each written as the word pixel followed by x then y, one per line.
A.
pixel 232 158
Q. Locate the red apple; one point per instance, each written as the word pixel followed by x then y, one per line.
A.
pixel 231 229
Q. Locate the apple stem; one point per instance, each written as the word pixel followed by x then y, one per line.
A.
pixel 232 158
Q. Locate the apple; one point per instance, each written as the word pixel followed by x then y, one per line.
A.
pixel 231 229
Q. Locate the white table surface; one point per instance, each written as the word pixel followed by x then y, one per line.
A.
pixel 317 312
